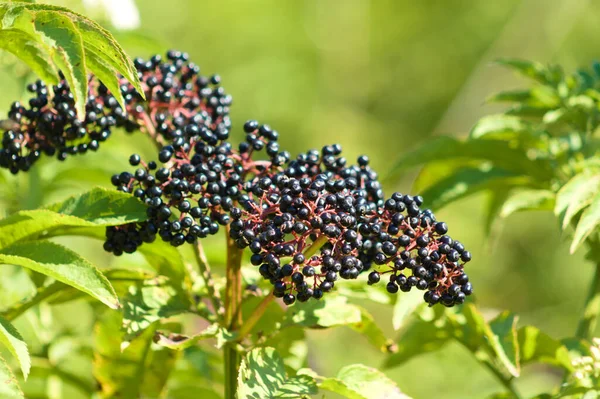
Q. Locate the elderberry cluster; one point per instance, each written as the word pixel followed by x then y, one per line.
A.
pixel 180 103
pixel 51 126
pixel 416 251
pixel 188 198
pixel 309 221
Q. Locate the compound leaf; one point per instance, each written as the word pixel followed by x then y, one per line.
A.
pixel 62 264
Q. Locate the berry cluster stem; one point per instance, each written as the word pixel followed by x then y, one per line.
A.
pixel 506 382
pixel 233 315
pixel 255 317
pixel 206 275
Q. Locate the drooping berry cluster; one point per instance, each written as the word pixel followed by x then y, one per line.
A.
pixel 51 126
pixel 180 103
pixel 308 221
pixel 189 197
pixel 414 247
pixel 200 180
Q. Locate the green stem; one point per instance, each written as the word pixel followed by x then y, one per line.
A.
pixel 232 362
pixel 205 273
pixel 589 318
pixel 41 294
pixel 258 312
pixel 315 246
pixel 233 315
pixel 508 383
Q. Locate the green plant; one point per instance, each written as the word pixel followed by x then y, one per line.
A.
pixel 181 327
pixel 540 154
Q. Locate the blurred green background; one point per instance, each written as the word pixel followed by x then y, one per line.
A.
pixel 378 77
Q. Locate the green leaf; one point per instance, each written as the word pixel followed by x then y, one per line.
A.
pixel 493 205
pixel 505 341
pixel 180 342
pixel 102 43
pixel 527 111
pixel 98 207
pixel 139 369
pixel 587 223
pixel 417 338
pixel 527 200
pixel 63 42
pixel 64 265
pixel 519 95
pixel 580 199
pixel 374 334
pixel 334 311
pixel 167 261
pixel 538 96
pixel 361 382
pixel 529 69
pixel 502 127
pixel 105 73
pixel 498 152
pixel 9 387
pixel 262 375
pixel 27 50
pixel 469 181
pixel 10 337
pixel 102 207
pixel 492 345
pixel 404 307
pixel 331 311
pixel 40 295
pixel 569 191
pixel 150 301
pixel 536 346
pixel 74 40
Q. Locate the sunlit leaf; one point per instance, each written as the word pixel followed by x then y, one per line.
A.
pixel 63 42
pixel 405 305
pixel 501 127
pixel 334 311
pixel 417 338
pixel 139 370
pixel 527 200
pixel 569 191
pixel 180 342
pixel 498 152
pixel 9 387
pixel 581 198
pixel 361 382
pixel 11 339
pixel 262 375
pixel 590 218
pixel 536 346
pixel 469 181
pixel 472 331
pixel 98 207
pixel 105 73
pixel 27 50
pixel 150 301
pixel 331 311
pixel 529 69
pixel 62 264
pixel 76 44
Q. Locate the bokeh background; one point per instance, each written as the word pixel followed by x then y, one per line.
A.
pixel 378 77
